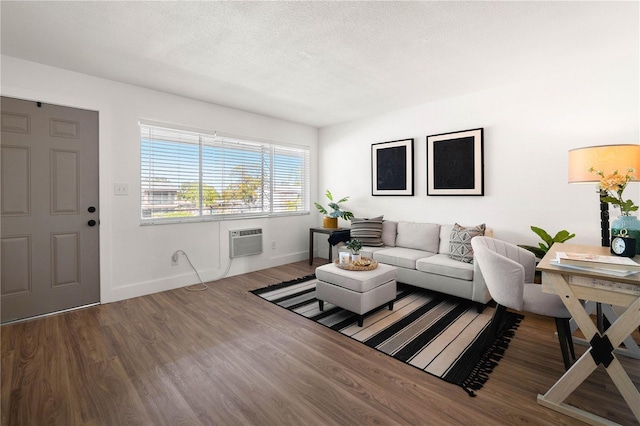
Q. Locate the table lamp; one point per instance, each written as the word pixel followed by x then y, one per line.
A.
pixel 607 158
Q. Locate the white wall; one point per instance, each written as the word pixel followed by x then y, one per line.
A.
pixel 528 130
pixel 136 260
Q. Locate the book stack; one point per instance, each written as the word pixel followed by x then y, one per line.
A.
pixel 608 265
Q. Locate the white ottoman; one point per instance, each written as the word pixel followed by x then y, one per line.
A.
pixel 356 291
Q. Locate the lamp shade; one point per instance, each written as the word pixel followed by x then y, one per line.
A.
pixel 607 158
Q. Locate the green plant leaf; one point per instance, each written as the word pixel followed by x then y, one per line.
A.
pixel 628 206
pixel 544 235
pixel 319 207
pixel 347 215
pixel 563 236
pixel 329 196
pixel 609 199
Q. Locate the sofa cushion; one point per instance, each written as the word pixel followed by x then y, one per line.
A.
pixel 419 236
pixel 369 231
pixel 369 251
pixel 460 242
pixel 445 235
pixel 400 256
pixel 442 264
pixel 389 232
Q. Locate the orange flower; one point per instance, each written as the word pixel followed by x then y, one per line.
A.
pixel 613 182
pixel 611 188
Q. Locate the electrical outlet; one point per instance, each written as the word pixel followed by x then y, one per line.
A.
pixel 175 259
pixel 121 189
pixel 273 245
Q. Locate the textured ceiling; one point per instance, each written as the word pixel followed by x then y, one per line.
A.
pixel 318 63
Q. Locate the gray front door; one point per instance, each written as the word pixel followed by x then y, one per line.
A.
pixel 49 208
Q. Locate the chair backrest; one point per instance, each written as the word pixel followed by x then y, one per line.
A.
pixel 505 268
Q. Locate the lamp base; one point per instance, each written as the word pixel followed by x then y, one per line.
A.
pixel 604 223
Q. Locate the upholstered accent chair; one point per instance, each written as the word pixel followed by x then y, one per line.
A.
pixel 508 271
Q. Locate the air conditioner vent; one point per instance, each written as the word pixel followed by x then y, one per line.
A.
pixel 245 242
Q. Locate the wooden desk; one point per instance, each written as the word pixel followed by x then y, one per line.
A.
pixel 321 230
pixel 559 280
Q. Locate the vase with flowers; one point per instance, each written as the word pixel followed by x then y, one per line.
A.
pixel 611 188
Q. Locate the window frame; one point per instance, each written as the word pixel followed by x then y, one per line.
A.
pixel 205 139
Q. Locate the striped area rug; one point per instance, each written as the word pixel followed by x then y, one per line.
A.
pixel 439 334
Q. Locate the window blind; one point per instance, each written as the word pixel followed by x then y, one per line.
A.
pixel 188 176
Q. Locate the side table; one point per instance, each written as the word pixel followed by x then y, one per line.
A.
pixel 321 230
pixel 573 286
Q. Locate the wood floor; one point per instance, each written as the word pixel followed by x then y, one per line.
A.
pixel 227 357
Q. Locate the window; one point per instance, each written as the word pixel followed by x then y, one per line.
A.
pixel 187 176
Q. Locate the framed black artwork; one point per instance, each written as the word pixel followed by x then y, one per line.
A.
pixel 455 163
pixel 392 168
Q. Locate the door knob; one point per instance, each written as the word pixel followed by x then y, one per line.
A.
pixel 91 223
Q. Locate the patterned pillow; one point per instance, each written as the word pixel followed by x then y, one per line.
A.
pixel 460 241
pixel 369 231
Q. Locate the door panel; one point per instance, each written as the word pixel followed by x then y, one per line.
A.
pixel 16 251
pixel 50 255
pixel 64 182
pixel 16 123
pixel 65 256
pixel 16 185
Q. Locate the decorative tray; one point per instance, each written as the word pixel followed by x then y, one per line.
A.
pixel 364 264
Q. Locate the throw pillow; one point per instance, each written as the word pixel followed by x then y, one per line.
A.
pixel 369 231
pixel 389 232
pixel 460 242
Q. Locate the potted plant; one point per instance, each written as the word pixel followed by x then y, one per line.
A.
pixel 354 247
pixel 331 218
pixel 542 249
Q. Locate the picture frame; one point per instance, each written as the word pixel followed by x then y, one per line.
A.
pixel 392 168
pixel 455 163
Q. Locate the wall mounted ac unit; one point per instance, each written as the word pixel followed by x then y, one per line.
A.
pixel 245 242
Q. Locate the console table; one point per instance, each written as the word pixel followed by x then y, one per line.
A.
pixel 573 286
pixel 321 230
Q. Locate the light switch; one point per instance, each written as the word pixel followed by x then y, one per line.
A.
pixel 121 189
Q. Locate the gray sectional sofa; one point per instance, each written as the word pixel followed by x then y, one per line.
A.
pixel 421 253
